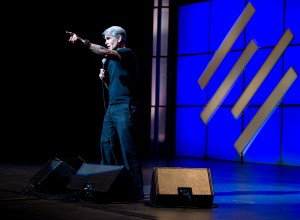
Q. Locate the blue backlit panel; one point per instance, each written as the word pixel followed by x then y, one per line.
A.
pixel 193 27
pixel 265 147
pixel 292 19
pixel 223 16
pixel 223 130
pixel 291 58
pixel 278 140
pixel 291 137
pixel 190 133
pixel 266 25
pixel 188 70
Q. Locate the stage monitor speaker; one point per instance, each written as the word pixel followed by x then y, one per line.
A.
pixel 181 187
pixel 54 176
pixel 74 162
pixel 104 183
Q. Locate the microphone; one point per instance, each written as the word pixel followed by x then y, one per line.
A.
pixel 103 62
pixel 103 67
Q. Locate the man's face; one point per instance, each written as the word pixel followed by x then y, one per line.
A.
pixel 111 42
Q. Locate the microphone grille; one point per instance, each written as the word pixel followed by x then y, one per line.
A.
pixel 103 60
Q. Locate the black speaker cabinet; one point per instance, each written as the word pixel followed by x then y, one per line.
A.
pixel 181 187
pixel 105 183
pixel 74 162
pixel 54 176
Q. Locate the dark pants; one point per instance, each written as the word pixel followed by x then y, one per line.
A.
pixel 119 123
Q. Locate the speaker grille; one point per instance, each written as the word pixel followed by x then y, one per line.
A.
pixel 167 182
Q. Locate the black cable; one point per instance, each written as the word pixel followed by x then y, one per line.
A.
pixel 103 96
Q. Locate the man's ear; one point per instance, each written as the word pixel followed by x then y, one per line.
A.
pixel 119 38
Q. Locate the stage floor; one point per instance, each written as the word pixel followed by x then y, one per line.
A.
pixel 240 191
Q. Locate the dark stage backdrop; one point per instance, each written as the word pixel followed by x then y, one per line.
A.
pixel 52 99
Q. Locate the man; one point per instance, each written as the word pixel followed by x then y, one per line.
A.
pixel 119 77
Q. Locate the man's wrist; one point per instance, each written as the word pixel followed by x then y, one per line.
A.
pixel 86 43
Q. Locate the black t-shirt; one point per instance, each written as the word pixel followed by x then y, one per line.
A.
pixel 122 77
